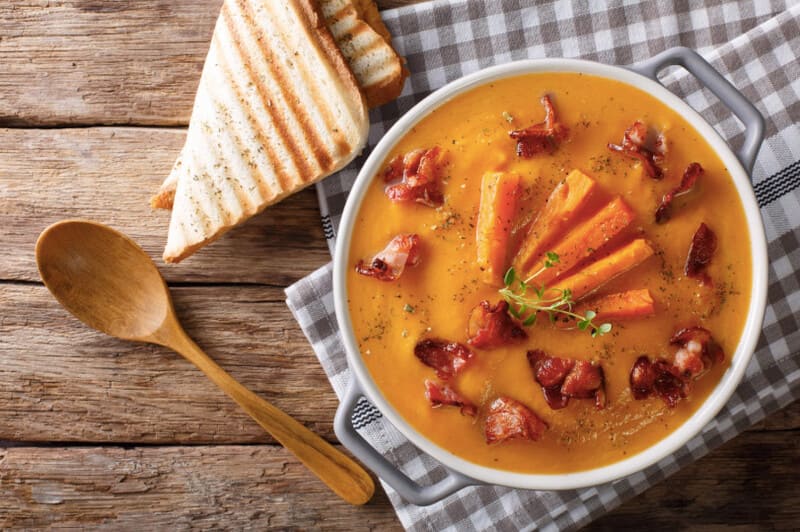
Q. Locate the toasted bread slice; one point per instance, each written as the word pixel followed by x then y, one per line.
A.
pixel 277 109
pixel 368 12
pixel 380 72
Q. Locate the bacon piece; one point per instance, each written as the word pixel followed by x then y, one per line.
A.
pixel 411 164
pixel 447 358
pixel 703 336
pixel 420 172
pixel 633 146
pixel 704 244
pixel 600 399
pixel 442 394
pixel 549 371
pixel 642 378
pixel 672 382
pixel 509 419
pixel 541 137
pixel 690 175
pixel 669 385
pixel 554 398
pixel 698 351
pixel 394 171
pixel 660 378
pixel 427 195
pixel 492 326
pixel 428 168
pixel 562 378
pixel 584 379
pixel 689 361
pixel 389 264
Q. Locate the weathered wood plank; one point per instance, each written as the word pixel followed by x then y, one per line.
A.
pixel 108 175
pixel 174 488
pixel 61 381
pixel 750 483
pixel 102 62
pixel 94 62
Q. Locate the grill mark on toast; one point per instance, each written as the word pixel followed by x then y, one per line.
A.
pixel 282 114
pixel 236 149
pixel 331 56
pixel 292 106
pixel 238 161
pixel 224 149
pixel 278 166
pixel 316 92
pixel 211 197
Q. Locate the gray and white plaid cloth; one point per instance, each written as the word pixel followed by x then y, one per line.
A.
pixel 756 45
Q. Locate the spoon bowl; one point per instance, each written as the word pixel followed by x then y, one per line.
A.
pixel 108 282
pixel 103 278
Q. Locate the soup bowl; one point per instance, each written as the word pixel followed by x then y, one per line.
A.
pixel 461 472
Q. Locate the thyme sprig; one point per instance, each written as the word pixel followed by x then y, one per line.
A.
pixel 526 300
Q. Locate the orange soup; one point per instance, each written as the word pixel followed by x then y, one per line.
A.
pixel 455 265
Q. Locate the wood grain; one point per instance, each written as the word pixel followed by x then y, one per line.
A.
pixel 173 488
pixel 750 483
pixel 102 62
pixel 108 175
pixel 61 381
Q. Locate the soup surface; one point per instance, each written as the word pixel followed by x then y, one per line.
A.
pixel 434 298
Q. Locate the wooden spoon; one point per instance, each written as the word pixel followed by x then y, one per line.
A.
pixel 108 282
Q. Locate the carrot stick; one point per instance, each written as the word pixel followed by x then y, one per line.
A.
pixel 583 241
pixel 563 206
pixel 614 307
pixel 499 193
pixel 596 274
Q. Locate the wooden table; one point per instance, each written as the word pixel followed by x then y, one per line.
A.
pixel 94 96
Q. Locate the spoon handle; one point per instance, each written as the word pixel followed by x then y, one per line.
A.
pixel 344 476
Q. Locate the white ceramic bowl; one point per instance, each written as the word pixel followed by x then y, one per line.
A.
pixel 752 328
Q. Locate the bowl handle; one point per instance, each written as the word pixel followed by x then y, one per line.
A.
pixel 736 102
pixel 388 472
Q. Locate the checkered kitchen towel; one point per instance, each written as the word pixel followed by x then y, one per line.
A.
pixel 757 46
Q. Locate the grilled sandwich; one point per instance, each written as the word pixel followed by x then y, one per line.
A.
pixel 276 110
pixel 365 43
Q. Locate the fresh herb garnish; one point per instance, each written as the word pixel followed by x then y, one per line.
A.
pixel 551 259
pixel 408 308
pixel 525 300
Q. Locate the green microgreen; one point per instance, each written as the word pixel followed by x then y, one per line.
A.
pixel 525 301
pixel 510 277
pixel 551 259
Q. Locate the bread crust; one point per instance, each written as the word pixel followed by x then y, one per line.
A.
pixel 368 12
